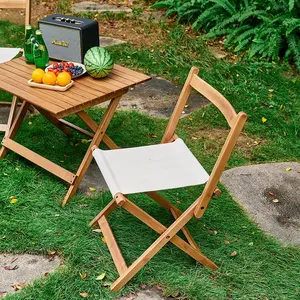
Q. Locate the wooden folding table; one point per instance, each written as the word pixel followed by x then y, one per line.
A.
pixel 55 106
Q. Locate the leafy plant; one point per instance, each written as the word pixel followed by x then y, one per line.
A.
pixel 266 29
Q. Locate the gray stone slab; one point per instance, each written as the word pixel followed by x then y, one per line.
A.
pixel 149 294
pixel 257 188
pixel 4 112
pixel 26 269
pixel 93 178
pixel 158 97
pixel 90 6
pixel 108 41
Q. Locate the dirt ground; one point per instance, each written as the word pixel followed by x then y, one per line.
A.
pixel 141 30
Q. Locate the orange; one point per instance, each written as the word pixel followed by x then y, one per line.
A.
pixel 49 78
pixel 37 75
pixel 63 78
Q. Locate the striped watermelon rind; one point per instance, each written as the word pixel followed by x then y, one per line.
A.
pixel 98 62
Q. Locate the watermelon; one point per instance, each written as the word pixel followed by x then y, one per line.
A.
pixel 98 62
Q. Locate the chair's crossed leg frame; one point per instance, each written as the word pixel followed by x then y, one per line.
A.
pixel 97 137
pixel 166 235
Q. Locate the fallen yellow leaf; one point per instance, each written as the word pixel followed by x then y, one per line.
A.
pixel 275 200
pixel 97 230
pixel 51 252
pixel 103 240
pixel 13 201
pixel 92 189
pixel 263 120
pixel 29 123
pixel 288 169
pixel 271 90
pixel 82 276
pixel 101 276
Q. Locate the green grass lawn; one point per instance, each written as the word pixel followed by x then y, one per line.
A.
pixel 36 223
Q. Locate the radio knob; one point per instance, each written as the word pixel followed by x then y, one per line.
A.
pixel 63 19
pixel 68 20
pixel 73 21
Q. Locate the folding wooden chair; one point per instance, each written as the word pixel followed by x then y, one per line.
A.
pixel 7 54
pixel 159 167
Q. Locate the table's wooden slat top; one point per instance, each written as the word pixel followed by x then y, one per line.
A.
pixel 85 93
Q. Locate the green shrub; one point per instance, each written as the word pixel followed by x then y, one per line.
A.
pixel 268 29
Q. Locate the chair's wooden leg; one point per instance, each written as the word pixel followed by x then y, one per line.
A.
pixel 175 212
pixel 55 122
pixel 16 125
pixel 112 246
pixel 185 230
pixel 167 234
pixel 108 209
pixel 11 115
pixel 96 141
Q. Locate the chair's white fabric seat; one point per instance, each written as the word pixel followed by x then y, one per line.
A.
pixel 150 168
pixel 7 54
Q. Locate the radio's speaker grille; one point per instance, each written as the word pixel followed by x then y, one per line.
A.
pixel 62 43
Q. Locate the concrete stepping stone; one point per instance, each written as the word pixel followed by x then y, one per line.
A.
pixel 89 6
pixel 158 98
pixel 108 41
pixel 18 270
pixel 270 194
pixel 4 112
pixel 148 294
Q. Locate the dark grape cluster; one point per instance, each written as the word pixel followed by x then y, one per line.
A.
pixel 68 67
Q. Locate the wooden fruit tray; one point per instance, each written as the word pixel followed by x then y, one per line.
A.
pixel 50 87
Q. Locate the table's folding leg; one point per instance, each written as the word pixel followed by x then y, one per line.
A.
pixel 16 125
pixel 55 121
pixel 98 136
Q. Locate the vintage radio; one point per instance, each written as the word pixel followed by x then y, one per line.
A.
pixel 68 38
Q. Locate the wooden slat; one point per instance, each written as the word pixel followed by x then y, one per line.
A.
pixel 125 76
pixel 120 79
pixel 25 73
pixel 13 4
pixel 99 83
pixel 39 160
pixel 44 96
pixel 75 94
pixel 25 94
pixel 215 97
pixel 112 246
pixel 96 85
pixel 86 92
